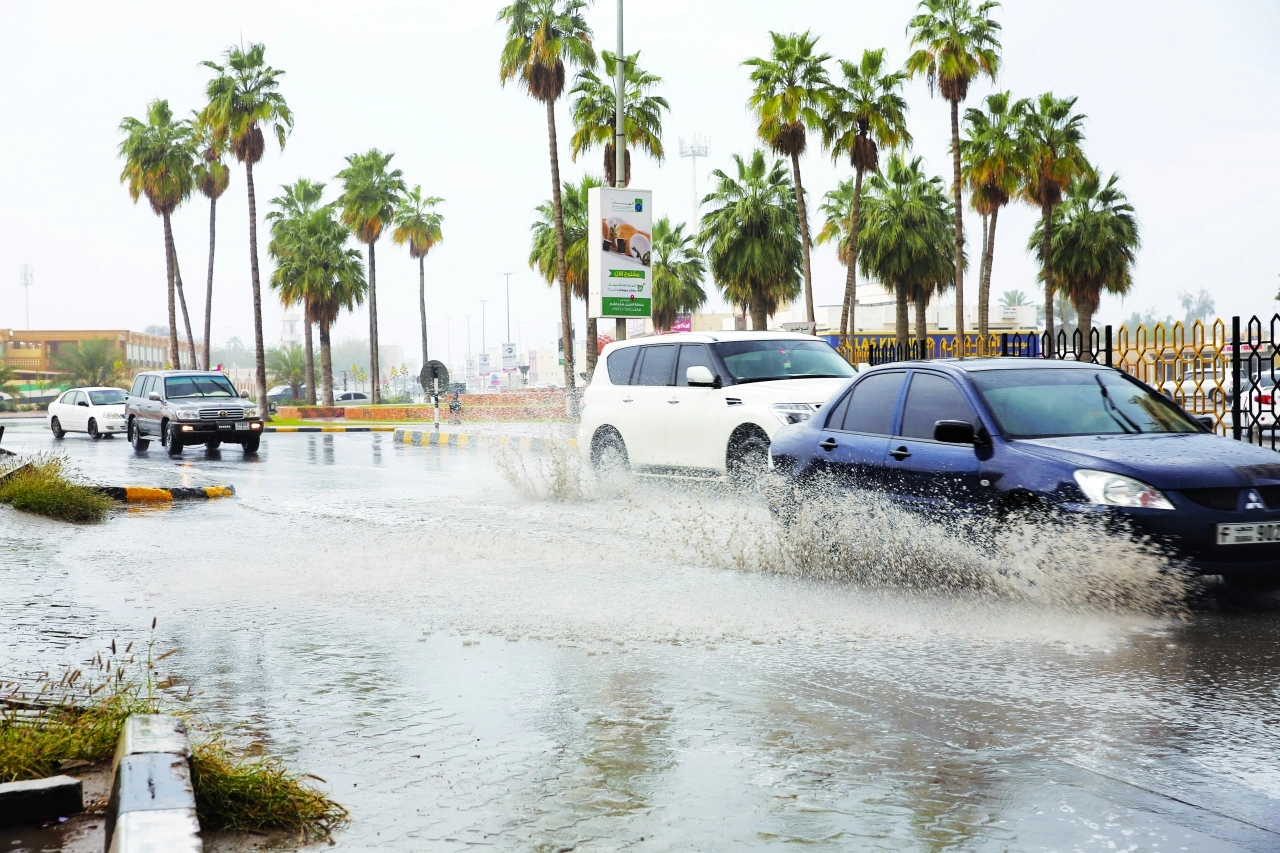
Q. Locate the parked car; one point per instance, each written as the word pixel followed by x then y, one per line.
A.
pixel 704 404
pixel 187 407
pixel 282 395
pixel 351 398
pixel 96 411
pixel 1001 434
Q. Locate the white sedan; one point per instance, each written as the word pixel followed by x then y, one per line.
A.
pixel 96 411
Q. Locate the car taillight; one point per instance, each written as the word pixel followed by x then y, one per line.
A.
pixel 1262 398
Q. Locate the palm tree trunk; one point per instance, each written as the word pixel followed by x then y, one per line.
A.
pixel 566 307
pixel 955 170
pixel 309 353
pixel 593 345
pixel 922 326
pixel 1084 313
pixel 983 319
pixel 375 369
pixel 984 283
pixel 1046 214
pixel 848 324
pixel 168 268
pixel 259 351
pixel 182 302
pixel 422 306
pixel 208 293
pixel 759 316
pixel 326 361
pixel 804 237
pixel 902 326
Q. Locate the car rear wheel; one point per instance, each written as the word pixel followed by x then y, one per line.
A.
pixel 56 426
pixel 170 441
pixel 93 430
pixel 135 438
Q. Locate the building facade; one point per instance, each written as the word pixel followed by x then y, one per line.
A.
pixel 33 353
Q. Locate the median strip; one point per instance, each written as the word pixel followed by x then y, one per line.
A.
pixel 329 429
pixel 152 494
pixel 427 437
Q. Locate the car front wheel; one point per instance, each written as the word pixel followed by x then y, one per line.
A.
pixel 56 426
pixel 748 458
pixel 170 441
pixel 93 430
pixel 135 438
pixel 251 444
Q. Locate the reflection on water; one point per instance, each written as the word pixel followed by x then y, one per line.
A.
pixel 466 665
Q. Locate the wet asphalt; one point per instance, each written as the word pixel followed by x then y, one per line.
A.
pixel 468 665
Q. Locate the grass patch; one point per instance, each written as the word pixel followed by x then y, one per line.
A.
pixel 46 485
pixel 80 716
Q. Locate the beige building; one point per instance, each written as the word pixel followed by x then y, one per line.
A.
pixel 31 353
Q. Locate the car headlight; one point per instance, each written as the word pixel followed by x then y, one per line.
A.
pixel 251 412
pixel 1107 489
pixel 112 416
pixel 187 414
pixel 793 413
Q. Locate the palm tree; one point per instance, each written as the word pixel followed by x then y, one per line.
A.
pixel 93 362
pixel 543 35
pixel 791 97
pixel 288 365
pixel 289 279
pixel 158 157
pixel 1094 244
pixel 994 152
pixel 370 194
pixel 212 177
pixel 1054 139
pixel 595 113
pixel 750 236
pixel 543 254
pixel 678 271
pixel 954 44
pixel 244 97
pixel 867 111
pixel 419 226
pixel 907 241
pixel 1014 299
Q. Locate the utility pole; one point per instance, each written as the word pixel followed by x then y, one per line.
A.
pixel 508 275
pixel 695 148
pixel 448 336
pixel 28 277
pixel 483 346
pixel 620 141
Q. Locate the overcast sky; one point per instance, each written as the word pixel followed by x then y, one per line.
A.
pixel 1182 100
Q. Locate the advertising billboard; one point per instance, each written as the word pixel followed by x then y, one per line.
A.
pixel 620 226
pixel 508 358
pixel 484 364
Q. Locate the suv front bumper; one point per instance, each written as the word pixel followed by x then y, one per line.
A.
pixel 229 431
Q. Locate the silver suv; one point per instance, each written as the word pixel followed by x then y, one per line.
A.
pixel 188 407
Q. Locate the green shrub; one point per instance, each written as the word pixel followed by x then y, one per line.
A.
pixel 44 486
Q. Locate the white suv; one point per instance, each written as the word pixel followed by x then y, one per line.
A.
pixel 704 404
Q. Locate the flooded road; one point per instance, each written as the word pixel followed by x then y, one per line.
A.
pixel 467 664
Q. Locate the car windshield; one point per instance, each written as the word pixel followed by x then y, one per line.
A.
pixel 198 386
pixel 761 361
pixel 1039 403
pixel 107 398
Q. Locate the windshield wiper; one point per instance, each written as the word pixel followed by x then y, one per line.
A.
pixel 1114 410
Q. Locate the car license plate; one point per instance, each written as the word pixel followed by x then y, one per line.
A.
pixel 242 424
pixel 1248 534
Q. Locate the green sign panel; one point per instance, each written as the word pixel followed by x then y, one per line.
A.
pixel 621 306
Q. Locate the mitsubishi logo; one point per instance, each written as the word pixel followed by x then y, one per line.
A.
pixel 1253 500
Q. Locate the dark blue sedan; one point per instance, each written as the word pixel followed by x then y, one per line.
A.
pixel 1007 434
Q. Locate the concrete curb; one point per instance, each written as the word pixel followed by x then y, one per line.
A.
pixel 40 800
pixel 431 438
pixel 153 804
pixel 150 494
pixel 328 429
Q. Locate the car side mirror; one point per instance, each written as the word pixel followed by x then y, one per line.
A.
pixel 954 432
pixel 244 393
pixel 700 376
pixel 84 403
pixel 154 396
pixel 1205 421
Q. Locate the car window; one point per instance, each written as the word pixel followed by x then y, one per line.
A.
pixel 872 404
pixel 1039 402
pixel 932 398
pixel 77 397
pixel 656 364
pixel 764 360
pixel 68 399
pixel 149 386
pixel 106 398
pixel 620 363
pixel 692 355
pixel 197 386
pixel 835 418
pixel 137 386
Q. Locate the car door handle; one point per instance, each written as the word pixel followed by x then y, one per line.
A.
pixel 627 399
pixel 673 400
pixel 900 454
pixel 828 444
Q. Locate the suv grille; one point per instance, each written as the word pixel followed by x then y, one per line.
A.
pixel 220 414
pixel 1229 499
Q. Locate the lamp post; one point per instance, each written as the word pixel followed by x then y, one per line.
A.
pixel 620 141
pixel 508 275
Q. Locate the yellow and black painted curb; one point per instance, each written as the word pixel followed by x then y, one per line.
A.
pixel 328 429
pixel 471 441
pixel 149 494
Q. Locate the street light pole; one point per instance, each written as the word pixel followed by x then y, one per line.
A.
pixel 508 275
pixel 483 346
pixel 620 141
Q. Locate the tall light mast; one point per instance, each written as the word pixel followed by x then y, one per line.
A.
pixel 693 149
pixel 28 278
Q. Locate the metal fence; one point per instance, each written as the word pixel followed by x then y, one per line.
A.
pixel 1199 366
